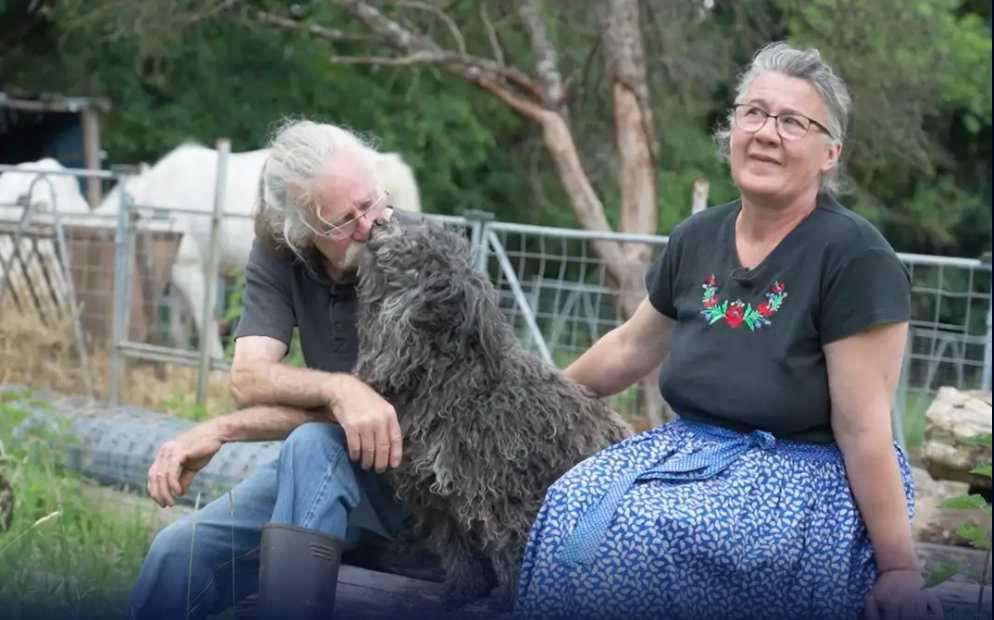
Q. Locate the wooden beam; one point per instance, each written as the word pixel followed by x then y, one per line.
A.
pixel 90 119
pixel 70 105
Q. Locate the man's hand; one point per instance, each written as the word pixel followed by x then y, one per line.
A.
pixel 899 595
pixel 178 461
pixel 369 421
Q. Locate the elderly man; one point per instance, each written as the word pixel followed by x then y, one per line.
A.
pixel 283 528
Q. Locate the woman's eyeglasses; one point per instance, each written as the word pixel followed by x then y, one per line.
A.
pixel 790 125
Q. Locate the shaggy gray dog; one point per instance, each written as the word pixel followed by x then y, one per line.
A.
pixel 487 426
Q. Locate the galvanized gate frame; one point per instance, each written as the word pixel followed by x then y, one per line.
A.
pixel 62 259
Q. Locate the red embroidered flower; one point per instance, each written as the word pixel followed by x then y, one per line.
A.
pixel 733 314
pixel 710 280
pixel 764 309
pixel 710 302
pixel 777 287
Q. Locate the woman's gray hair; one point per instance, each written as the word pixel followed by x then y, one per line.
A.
pixel 807 65
pixel 299 152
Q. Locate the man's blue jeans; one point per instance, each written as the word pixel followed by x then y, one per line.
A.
pixel 205 562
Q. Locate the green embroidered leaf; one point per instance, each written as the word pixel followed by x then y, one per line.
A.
pixel 750 317
pixel 709 291
pixel 717 312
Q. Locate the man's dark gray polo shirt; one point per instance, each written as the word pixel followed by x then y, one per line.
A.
pixel 283 292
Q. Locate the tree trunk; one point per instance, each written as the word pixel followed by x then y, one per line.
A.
pixel 636 144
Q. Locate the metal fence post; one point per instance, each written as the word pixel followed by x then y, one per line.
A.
pixel 123 243
pixel 63 265
pixel 223 148
pixel 986 378
pixel 479 222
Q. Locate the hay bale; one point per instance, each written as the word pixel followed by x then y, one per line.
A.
pixel 44 357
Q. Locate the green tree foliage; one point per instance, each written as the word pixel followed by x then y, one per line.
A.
pixel 918 155
pixel 920 75
pixel 169 83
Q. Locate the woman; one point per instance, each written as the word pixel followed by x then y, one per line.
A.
pixel 782 318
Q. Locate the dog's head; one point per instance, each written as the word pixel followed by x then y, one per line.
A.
pixel 417 282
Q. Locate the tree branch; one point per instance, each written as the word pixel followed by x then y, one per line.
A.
pixel 488 26
pixel 397 36
pixel 417 58
pixel 320 32
pixel 547 61
pixel 526 108
pixel 410 42
pixel 456 33
pixel 210 11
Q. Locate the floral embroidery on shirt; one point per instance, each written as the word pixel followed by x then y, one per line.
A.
pixel 736 313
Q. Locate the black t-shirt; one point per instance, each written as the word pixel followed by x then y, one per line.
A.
pixel 747 345
pixel 283 292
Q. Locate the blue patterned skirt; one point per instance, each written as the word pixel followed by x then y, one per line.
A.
pixel 689 521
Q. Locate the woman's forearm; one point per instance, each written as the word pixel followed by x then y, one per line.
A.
pixel 603 367
pixel 625 354
pixel 876 485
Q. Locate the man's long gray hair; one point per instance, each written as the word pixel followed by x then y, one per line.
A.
pixel 807 65
pixel 299 152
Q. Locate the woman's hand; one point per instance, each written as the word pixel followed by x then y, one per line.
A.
pixel 900 595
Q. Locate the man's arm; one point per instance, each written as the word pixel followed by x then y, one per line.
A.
pixel 179 459
pixel 625 354
pixel 258 377
pixel 370 422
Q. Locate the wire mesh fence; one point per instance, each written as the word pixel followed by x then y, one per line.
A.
pixel 949 341
pixel 139 274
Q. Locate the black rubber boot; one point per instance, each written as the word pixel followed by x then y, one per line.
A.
pixel 298 573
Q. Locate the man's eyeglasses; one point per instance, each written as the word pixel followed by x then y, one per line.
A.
pixel 345 225
pixel 790 125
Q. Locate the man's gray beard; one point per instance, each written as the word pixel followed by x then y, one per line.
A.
pixel 350 260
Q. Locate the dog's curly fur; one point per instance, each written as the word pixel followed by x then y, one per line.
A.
pixel 487 426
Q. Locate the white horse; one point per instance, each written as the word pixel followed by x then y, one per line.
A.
pixel 46 194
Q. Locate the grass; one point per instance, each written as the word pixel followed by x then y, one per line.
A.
pixel 71 552
pixel 913 419
pixel 62 556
